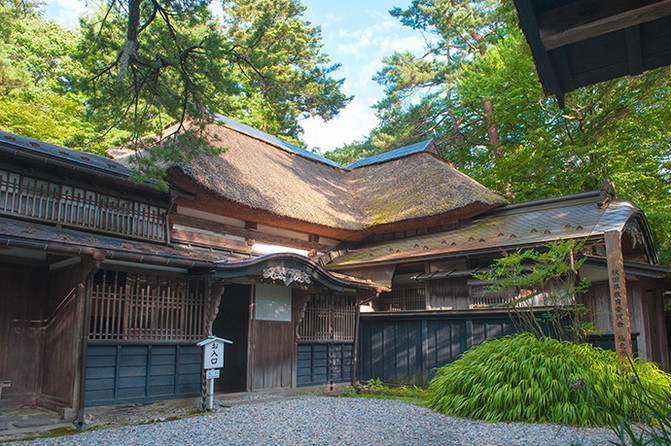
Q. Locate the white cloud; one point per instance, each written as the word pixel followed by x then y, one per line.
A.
pixel 353 124
pixel 361 50
pixel 66 12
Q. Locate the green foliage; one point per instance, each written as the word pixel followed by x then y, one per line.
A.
pixel 546 278
pixel 36 99
pixel 375 388
pixel 530 379
pixel 657 431
pixel 262 65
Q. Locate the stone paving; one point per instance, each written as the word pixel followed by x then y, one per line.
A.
pixel 28 422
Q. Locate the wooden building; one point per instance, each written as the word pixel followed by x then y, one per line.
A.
pixel 108 284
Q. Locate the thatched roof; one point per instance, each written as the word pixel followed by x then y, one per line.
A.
pixel 265 174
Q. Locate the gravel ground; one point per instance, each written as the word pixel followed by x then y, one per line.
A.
pixel 313 420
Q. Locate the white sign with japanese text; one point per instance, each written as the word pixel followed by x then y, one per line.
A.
pixel 214 355
pixel 213 352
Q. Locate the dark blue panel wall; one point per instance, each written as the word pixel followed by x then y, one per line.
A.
pixel 117 374
pixel 323 363
pixel 407 348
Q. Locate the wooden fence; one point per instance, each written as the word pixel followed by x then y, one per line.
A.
pixel 406 348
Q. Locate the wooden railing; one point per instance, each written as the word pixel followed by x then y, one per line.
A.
pixel 482 296
pixel 58 203
pixel 129 312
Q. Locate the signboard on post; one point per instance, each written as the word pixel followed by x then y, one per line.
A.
pixel 213 360
pixel 213 357
pixel 618 295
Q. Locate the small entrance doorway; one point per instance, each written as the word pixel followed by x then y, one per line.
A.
pixel 232 323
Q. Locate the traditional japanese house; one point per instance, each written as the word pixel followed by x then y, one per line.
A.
pixel 93 297
pixel 108 284
pixel 100 306
pixel 263 195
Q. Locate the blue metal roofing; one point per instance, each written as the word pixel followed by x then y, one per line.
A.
pixel 392 154
pixel 381 158
pixel 75 156
pixel 258 134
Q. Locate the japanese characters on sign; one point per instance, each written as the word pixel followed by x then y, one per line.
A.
pixel 214 355
pixel 213 352
pixel 618 295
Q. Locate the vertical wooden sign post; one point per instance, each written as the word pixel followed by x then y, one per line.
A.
pixel 213 360
pixel 618 295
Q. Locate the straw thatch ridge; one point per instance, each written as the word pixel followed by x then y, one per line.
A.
pixel 256 175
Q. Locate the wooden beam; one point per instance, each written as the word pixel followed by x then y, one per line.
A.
pixel 207 240
pixel 65 263
pixel 546 71
pixel 224 229
pixel 584 20
pixel 618 295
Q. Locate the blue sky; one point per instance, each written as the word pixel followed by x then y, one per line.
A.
pixel 356 34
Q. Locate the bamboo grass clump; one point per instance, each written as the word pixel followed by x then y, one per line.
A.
pixel 530 379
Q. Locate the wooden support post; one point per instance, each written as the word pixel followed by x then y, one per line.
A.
pixel 215 291
pixel 355 347
pixel 618 295
pixel 90 266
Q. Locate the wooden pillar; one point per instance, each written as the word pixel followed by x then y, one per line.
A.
pixel 618 294
pixel 355 347
pixel 214 291
pixel 84 291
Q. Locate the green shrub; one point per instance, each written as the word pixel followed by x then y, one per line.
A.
pixel 524 378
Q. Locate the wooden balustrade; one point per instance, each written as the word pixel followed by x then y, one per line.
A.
pixel 58 203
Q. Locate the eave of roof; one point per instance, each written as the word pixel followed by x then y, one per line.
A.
pixel 21 146
pixel 30 235
pixel 633 268
pixel 578 43
pixel 314 271
pixel 509 227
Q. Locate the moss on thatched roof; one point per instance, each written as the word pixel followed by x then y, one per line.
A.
pixel 267 177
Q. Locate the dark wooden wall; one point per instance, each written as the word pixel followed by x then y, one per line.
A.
pixel 131 373
pixel 323 363
pixel 448 294
pixel 22 296
pixel 407 348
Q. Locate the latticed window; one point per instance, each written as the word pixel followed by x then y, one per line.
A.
pixel 136 306
pixel 328 318
pixel 402 299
